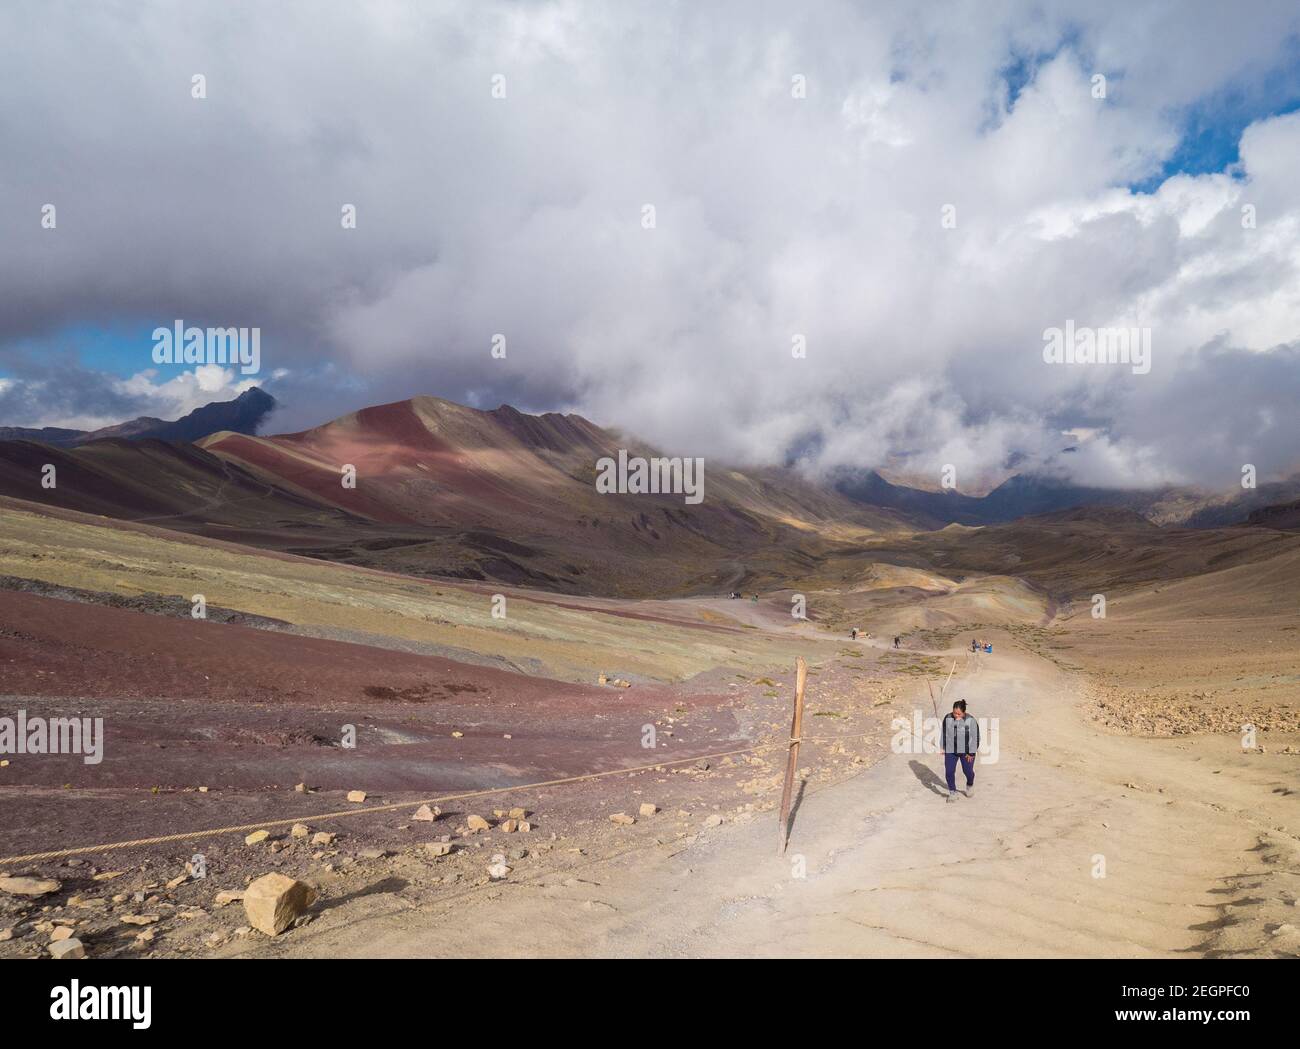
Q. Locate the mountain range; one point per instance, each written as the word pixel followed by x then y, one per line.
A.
pixel 244 414
pixel 432 488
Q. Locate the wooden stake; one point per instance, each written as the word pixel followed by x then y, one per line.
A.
pixel 792 762
pixel 932 702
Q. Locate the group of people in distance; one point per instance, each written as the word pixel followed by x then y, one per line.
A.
pixel 981 646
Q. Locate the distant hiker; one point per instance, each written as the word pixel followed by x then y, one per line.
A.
pixel 898 641
pixel 989 648
pixel 973 645
pixel 961 739
pixel 854 633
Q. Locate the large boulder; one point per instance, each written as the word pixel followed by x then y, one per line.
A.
pixel 274 901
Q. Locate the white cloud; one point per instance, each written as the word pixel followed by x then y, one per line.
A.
pixel 776 216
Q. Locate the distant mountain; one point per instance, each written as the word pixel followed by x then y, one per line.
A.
pixel 446 490
pixel 244 414
pixel 1019 496
pixel 46 435
pixel 1284 516
pixel 1026 495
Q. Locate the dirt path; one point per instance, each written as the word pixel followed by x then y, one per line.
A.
pixel 1199 844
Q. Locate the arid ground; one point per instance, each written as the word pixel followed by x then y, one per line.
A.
pixel 1120 753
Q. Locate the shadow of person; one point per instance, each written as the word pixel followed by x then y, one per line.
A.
pixel 929 778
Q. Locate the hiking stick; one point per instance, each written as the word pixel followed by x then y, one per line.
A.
pixel 796 729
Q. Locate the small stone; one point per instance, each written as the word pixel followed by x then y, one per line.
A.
pixel 437 848
pixel 107 875
pixel 29 886
pixel 145 937
pixel 257 837
pixel 372 854
pixel 425 814
pixel 517 813
pixel 63 932
pixel 203 790
pixel 509 826
pixel 476 823
pixel 322 838
pixel 274 901
pixel 178 881
pixel 357 796
pixel 6 934
pixel 301 788
pixel 457 735
pixel 498 871
pixel 622 819
pixel 72 948
pixel 139 919
pixel 299 830
pixel 226 896
pixel 713 821
pixel 647 809
pixel 525 826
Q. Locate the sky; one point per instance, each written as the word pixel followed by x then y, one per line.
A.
pixel 657 205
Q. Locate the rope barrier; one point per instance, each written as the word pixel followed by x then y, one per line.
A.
pixel 393 806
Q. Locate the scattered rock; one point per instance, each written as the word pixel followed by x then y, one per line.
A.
pixel 139 919
pixel 301 788
pixel 226 896
pixel 437 848
pixel 29 886
pixel 63 932
pixel 257 837
pixel 525 826
pixel 107 875
pixel 299 830
pixel 322 838
pixel 427 814
pixel 498 871
pixel 647 809
pixel 509 826
pixel 477 823
pixel 713 821
pixel 274 901
pixel 373 854
pixel 357 796
pixel 6 934
pixel 622 819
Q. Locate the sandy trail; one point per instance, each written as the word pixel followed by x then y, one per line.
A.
pixel 1199 857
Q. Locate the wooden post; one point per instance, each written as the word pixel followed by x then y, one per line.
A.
pixel 792 762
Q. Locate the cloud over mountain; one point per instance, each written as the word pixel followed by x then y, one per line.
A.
pixel 775 217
